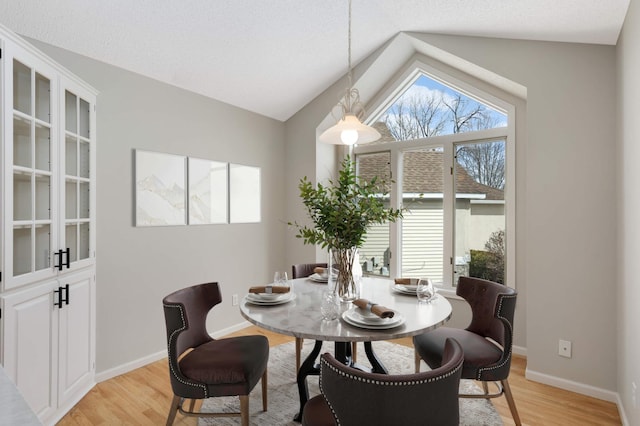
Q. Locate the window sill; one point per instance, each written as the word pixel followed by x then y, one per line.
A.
pixel 449 293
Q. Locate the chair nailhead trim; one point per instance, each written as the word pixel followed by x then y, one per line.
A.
pixel 510 327
pixel 390 382
pixel 173 335
pixel 378 382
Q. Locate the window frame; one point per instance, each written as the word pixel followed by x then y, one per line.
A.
pixel 475 89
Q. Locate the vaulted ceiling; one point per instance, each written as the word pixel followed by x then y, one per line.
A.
pixel 274 56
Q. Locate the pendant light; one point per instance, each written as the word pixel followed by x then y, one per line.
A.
pixel 349 130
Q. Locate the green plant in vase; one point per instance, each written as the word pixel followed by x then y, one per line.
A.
pixel 341 213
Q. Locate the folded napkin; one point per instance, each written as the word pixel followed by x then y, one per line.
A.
pixel 406 281
pixel 379 310
pixel 274 289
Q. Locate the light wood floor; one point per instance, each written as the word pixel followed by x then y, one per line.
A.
pixel 142 397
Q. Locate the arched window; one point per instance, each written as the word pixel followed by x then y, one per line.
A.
pixel 446 151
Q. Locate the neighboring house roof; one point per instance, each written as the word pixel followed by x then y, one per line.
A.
pixel 424 174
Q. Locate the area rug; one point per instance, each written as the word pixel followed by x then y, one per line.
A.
pixel 283 391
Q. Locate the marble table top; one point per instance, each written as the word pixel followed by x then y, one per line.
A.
pixel 301 317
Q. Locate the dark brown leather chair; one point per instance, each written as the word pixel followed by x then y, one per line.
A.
pixel 212 367
pixel 352 397
pixel 487 342
pixel 302 270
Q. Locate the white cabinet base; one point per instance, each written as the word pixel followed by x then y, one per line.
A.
pixel 49 347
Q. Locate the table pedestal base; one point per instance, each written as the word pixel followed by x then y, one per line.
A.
pixel 342 352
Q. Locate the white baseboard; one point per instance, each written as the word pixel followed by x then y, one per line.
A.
pixel 519 350
pixel 572 386
pixel 141 362
pixel 621 412
pixel 580 388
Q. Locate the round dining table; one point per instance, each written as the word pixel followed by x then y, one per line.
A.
pixel 301 317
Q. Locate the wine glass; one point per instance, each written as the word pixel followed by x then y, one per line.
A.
pixel 280 279
pixel 425 290
pixel 329 307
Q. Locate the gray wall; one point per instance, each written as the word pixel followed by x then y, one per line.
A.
pixel 137 267
pixel 629 212
pixel 565 164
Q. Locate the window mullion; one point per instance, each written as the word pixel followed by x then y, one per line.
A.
pixel 448 206
pixel 395 229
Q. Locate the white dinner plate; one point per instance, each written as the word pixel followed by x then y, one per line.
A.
pixel 408 289
pixel 405 289
pixel 256 300
pixel 318 278
pixel 265 297
pixel 353 318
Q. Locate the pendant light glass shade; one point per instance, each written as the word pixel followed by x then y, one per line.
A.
pixel 349 131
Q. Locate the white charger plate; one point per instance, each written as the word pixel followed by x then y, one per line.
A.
pixel 405 288
pixel 352 317
pixel 257 300
pixel 318 278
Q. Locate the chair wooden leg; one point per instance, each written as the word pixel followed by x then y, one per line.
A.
pixel 511 402
pixel 299 342
pixel 354 351
pixel 264 390
pixel 173 410
pixel 485 388
pixel 244 410
pixel 417 360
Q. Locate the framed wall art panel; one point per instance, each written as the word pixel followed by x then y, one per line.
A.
pixel 208 191
pixel 244 194
pixel 160 189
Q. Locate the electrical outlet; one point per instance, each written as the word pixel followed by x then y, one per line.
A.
pixel 234 300
pixel 634 400
pixel 564 348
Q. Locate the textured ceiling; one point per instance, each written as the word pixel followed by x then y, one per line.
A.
pixel 274 56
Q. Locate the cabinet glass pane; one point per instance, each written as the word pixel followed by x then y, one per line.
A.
pixel 21 196
pixel 71 238
pixel 84 200
pixel 71 200
pixel 84 159
pixel 43 197
pixel 43 148
pixel 83 242
pixel 43 98
pixel 71 156
pixel 43 246
pixel 21 87
pixel 21 142
pixel 71 113
pixel 21 250
pixel 84 118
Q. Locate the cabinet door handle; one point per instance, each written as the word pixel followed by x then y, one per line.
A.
pixel 58 254
pixel 66 294
pixel 59 302
pixel 62 299
pixel 68 252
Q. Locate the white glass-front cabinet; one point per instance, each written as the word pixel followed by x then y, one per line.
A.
pixel 49 157
pixel 47 258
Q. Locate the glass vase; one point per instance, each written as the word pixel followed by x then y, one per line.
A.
pixel 345 273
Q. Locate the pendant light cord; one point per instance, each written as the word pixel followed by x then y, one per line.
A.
pixel 350 72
